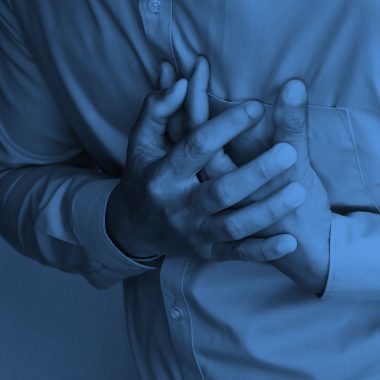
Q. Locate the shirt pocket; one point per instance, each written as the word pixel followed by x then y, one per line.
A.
pixel 332 148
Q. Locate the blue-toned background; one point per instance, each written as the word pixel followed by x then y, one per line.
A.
pixel 55 326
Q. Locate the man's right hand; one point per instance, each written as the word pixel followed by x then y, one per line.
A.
pixel 161 208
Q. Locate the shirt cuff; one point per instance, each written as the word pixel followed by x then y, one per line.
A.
pixel 88 217
pixel 354 261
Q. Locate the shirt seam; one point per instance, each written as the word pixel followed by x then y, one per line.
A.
pixel 171 38
pixel 357 159
pixel 190 319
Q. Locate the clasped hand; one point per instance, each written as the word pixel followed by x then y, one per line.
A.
pixel 181 195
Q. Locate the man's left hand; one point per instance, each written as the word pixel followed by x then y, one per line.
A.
pixel 310 223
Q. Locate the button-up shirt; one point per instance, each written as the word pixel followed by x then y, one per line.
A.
pixel 73 75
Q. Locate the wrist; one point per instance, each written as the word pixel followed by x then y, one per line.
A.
pixel 117 230
pixel 115 220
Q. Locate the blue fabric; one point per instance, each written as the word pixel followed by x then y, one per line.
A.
pixel 73 77
pixel 54 325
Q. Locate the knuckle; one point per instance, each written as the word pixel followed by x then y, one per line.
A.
pixel 196 145
pixel 221 193
pixel 291 120
pixel 174 220
pixel 231 229
pixel 193 205
pixel 239 117
pixel 240 252
pixel 154 189
pixel 269 250
pixel 272 211
pixel 264 253
pixel 262 170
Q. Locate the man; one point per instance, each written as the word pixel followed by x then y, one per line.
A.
pixel 74 76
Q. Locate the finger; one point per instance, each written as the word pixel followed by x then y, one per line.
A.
pixel 168 76
pixel 158 107
pixel 236 225
pixel 196 103
pixel 221 193
pixel 218 165
pixel 197 108
pixel 175 128
pixel 252 249
pixel 290 117
pixel 193 152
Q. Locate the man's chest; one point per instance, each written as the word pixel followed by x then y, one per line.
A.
pixel 101 60
pixel 254 47
pixel 113 48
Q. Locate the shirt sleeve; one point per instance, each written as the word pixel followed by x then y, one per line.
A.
pixel 52 202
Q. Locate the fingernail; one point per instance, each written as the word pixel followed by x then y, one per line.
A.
pixel 287 244
pixel 180 83
pixel 254 109
pixel 295 195
pixel 294 92
pixel 179 87
pixel 285 154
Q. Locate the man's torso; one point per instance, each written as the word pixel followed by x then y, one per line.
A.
pixel 229 320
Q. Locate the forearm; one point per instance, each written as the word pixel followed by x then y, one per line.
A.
pixel 55 214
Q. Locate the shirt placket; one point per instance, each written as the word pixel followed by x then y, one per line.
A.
pixel 157 19
pixel 178 314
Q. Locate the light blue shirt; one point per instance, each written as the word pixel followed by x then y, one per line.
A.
pixel 73 75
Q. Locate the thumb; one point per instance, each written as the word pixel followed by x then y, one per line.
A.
pixel 290 117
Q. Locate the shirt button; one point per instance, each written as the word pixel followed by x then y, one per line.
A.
pixel 154 6
pixel 176 313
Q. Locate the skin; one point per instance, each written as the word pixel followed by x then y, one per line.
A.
pixel 161 205
pixel 311 222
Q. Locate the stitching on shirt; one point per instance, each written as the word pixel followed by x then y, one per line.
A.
pixel 365 184
pixel 350 134
pixel 191 324
pixel 130 345
pixel 171 37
